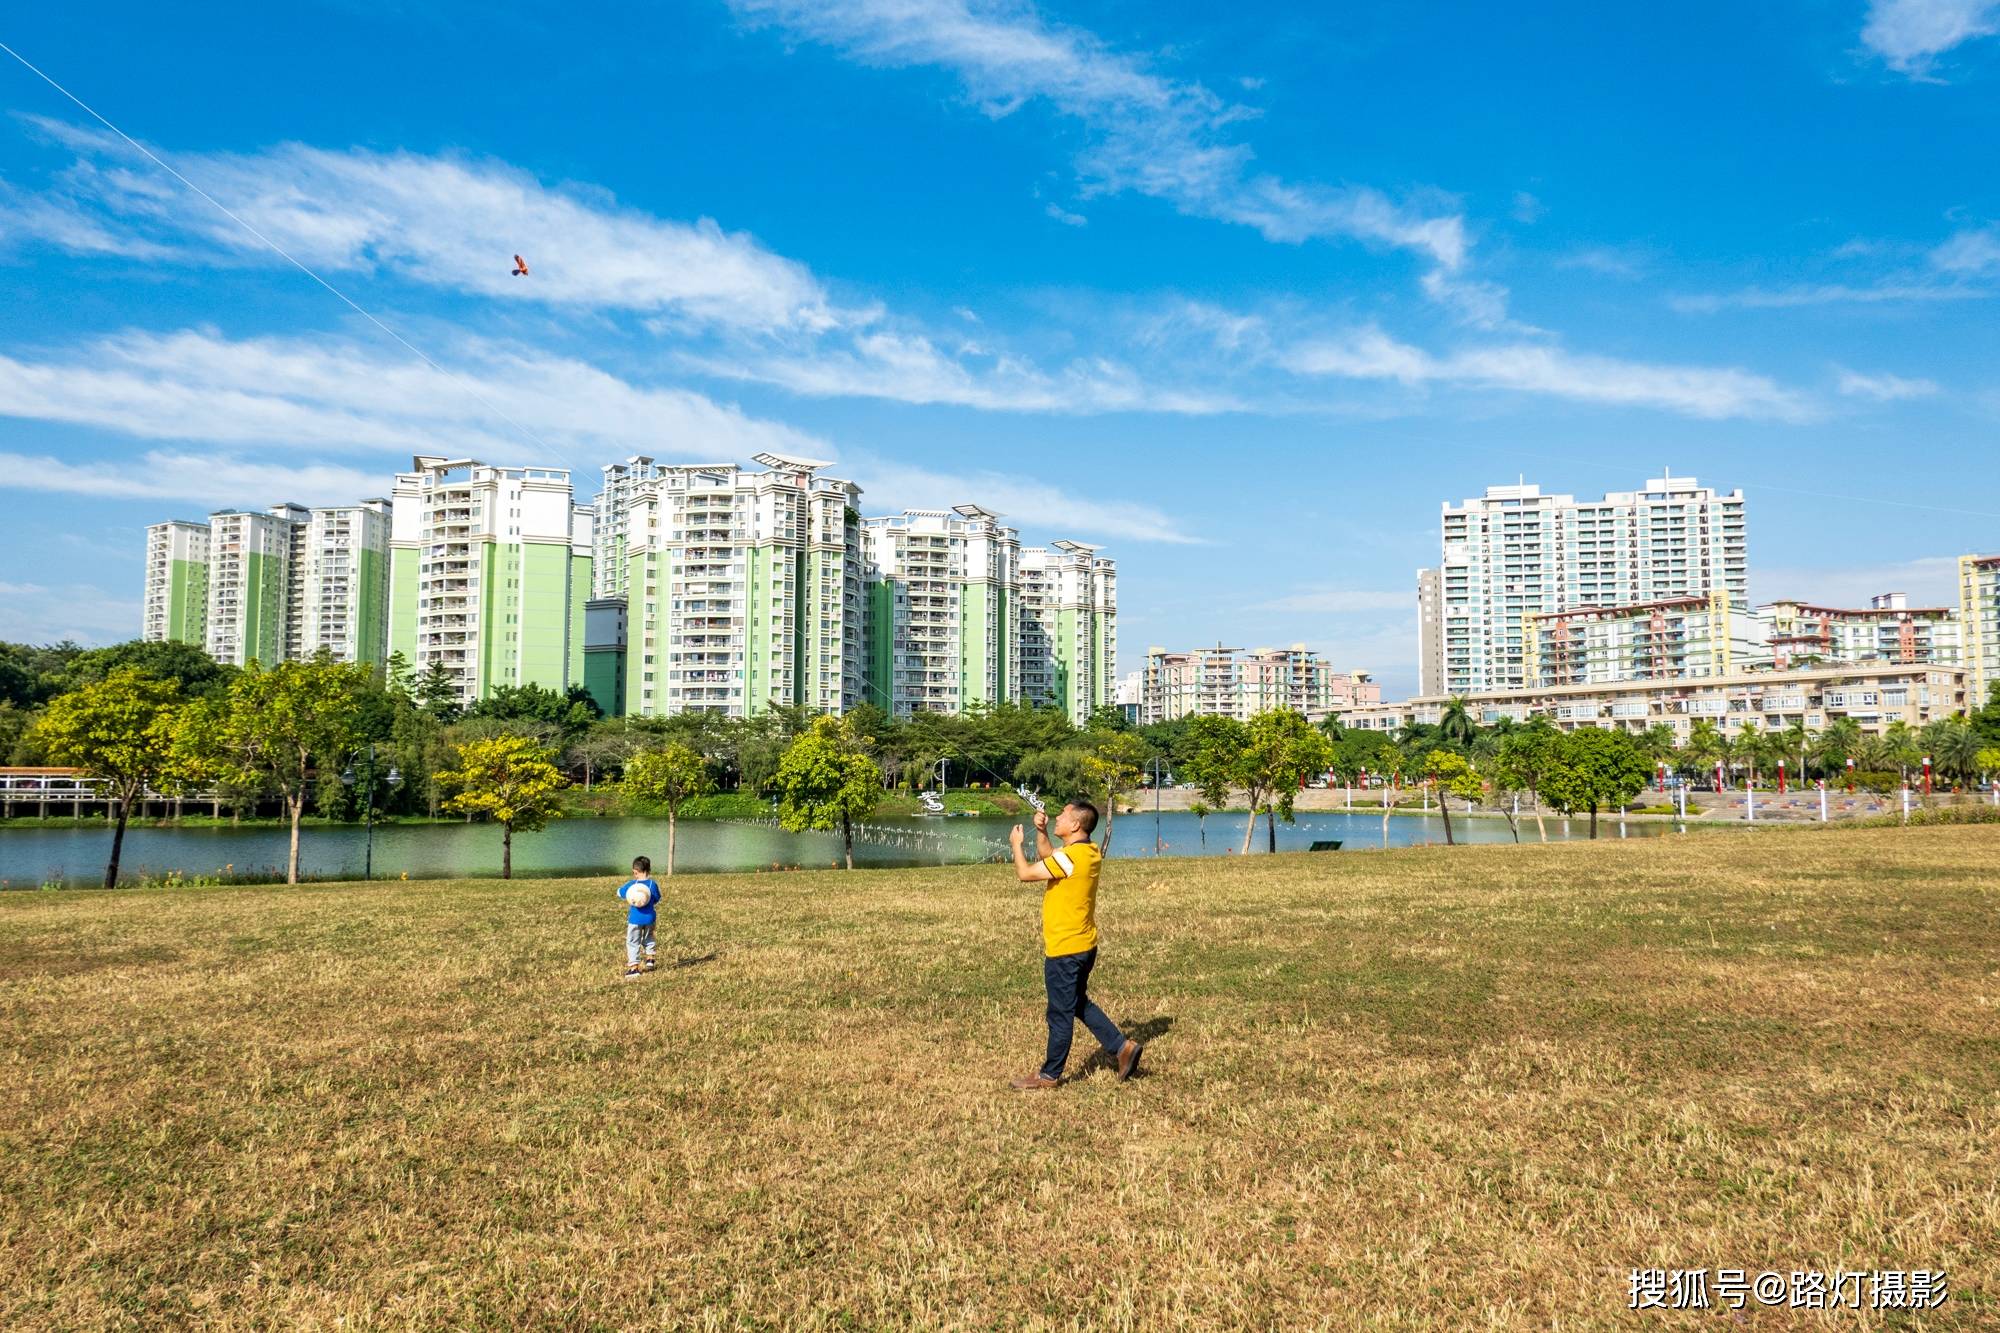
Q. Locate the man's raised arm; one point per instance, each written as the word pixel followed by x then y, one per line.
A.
pixel 1028 872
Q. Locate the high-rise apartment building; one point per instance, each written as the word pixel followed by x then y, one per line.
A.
pixel 1515 553
pixel 1228 682
pixel 176 583
pixel 943 628
pixel 489 570
pixel 610 513
pixel 249 586
pixel 1674 638
pixel 344 586
pixel 1888 629
pixel 297 519
pixel 1979 624
pixel 1430 632
pixel 743 590
pixel 1069 628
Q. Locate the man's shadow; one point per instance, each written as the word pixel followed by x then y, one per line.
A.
pixel 1145 1033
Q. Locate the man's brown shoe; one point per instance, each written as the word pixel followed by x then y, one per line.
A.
pixel 1128 1059
pixel 1036 1082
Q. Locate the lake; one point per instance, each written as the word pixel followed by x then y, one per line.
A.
pixel 31 856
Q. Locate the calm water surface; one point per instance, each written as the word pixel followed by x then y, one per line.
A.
pixel 31 856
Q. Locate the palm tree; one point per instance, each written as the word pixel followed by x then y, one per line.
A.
pixel 1792 743
pixel 1747 749
pixel 1705 746
pixel 1840 742
pixel 1455 725
pixel 1899 748
pixel 1953 747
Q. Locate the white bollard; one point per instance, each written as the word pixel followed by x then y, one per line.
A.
pixel 1906 803
pixel 1822 803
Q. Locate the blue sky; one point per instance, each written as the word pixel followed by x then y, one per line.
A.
pixel 1241 292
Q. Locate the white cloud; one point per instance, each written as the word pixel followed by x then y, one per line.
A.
pixel 1067 218
pixel 1611 261
pixel 332 395
pixel 1911 34
pixel 1147 133
pixel 912 368
pixel 893 486
pixel 1695 391
pixel 1785 298
pixel 211 480
pixel 1884 388
pixel 1975 250
pixel 446 222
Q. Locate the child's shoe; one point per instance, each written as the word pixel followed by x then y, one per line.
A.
pixel 633 972
pixel 652 962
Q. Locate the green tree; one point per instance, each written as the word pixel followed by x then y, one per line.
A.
pixel 1597 768
pixel 1838 743
pixel 1987 760
pixel 1748 749
pixel 1455 726
pixel 1060 772
pixel 510 780
pixel 1527 756
pixel 670 776
pixel 1210 750
pixel 1281 751
pixel 824 782
pixel 276 728
pixel 187 665
pixel 437 693
pixel 1898 748
pixel 1953 747
pixel 119 730
pixel 1454 777
pixel 1706 746
pixel 1114 761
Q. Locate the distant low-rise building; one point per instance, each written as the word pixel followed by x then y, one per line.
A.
pixel 1672 638
pixel 1872 694
pixel 1229 682
pixel 1888 629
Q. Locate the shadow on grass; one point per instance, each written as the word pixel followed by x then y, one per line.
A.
pixel 1145 1033
pixel 696 962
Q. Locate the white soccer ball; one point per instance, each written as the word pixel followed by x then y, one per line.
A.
pixel 638 895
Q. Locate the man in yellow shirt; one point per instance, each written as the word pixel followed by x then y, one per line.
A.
pixel 1069 938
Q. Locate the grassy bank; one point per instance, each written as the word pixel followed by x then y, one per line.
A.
pixel 1420 1088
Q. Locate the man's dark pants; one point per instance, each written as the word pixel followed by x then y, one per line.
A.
pixel 1067 979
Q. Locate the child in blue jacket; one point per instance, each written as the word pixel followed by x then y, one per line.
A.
pixel 641 950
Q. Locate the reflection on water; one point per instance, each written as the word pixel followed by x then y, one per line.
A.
pixel 30 856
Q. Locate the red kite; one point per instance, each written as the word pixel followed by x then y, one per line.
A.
pixel 520 267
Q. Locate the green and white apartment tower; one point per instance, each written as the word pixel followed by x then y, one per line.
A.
pixel 743 590
pixel 249 585
pixel 176 583
pixel 1069 628
pixel 489 570
pixel 943 610
pixel 344 595
pixel 609 516
pixel 272 586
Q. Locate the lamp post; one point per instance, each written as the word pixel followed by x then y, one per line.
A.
pixel 367 779
pixel 1157 844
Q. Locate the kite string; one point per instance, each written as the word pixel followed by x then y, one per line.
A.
pixel 286 255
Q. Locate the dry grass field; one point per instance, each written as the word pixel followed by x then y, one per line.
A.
pixel 1466 1088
